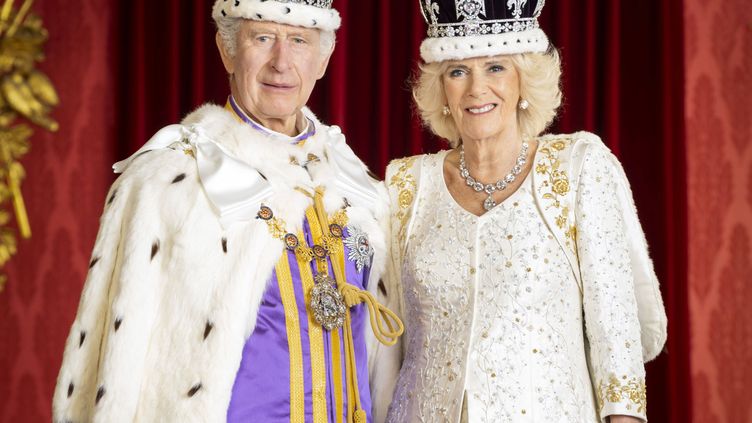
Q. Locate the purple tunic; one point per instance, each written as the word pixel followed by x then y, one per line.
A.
pixel 261 392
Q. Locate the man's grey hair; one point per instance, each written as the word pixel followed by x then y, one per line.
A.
pixel 228 33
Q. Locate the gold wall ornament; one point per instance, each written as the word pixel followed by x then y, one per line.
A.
pixel 25 94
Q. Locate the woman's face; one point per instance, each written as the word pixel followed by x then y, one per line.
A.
pixel 482 94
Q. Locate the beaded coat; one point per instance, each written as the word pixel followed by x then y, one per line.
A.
pixel 172 293
pixel 528 313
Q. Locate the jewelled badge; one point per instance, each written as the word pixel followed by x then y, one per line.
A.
pixel 265 213
pixel 360 250
pixel 335 230
pixel 327 303
pixel 291 242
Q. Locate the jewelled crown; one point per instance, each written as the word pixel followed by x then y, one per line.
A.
pixel 460 29
pixel 317 14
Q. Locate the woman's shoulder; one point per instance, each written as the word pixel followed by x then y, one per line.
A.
pixel 575 139
pixel 410 164
pixel 572 147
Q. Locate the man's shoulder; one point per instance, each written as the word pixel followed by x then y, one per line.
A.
pixel 211 118
pixel 171 153
pixel 158 164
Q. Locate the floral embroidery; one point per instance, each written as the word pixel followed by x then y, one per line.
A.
pixel 556 186
pixel 632 389
pixel 407 187
pixel 561 186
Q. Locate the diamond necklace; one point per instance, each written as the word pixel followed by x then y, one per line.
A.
pixel 501 184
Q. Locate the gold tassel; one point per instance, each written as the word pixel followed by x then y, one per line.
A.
pixel 360 416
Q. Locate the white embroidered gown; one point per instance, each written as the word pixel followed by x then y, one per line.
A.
pixel 495 319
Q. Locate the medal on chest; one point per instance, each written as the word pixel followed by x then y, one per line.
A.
pixel 327 303
pixel 360 250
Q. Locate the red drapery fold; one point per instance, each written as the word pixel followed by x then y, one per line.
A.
pixel 621 80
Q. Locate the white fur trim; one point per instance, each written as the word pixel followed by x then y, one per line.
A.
pixel 459 48
pixel 280 12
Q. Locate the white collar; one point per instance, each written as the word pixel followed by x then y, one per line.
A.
pixel 308 131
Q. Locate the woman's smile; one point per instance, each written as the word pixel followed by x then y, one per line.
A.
pixel 480 110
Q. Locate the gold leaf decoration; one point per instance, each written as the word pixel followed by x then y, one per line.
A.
pixel 407 186
pixel 555 187
pixel 26 94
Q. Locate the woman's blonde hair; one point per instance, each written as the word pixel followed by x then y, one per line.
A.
pixel 540 76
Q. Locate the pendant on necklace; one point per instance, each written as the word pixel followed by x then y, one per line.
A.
pixel 501 184
pixel 327 303
pixel 489 203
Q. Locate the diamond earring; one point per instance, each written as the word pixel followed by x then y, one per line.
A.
pixel 446 111
pixel 524 104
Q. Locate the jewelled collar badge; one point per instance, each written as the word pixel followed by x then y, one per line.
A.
pixel 461 29
pixel 327 303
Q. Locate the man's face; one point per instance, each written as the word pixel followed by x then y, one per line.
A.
pixel 275 68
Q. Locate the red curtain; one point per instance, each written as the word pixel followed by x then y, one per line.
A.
pixel 623 79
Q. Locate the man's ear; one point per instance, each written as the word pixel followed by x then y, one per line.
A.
pixel 227 60
pixel 324 64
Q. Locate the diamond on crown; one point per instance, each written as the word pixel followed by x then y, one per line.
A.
pixel 516 7
pixel 429 8
pixel 469 10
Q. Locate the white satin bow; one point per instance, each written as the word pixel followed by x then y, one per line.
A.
pixel 236 189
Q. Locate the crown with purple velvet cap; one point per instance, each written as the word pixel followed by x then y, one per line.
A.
pixel 461 29
pixel 317 14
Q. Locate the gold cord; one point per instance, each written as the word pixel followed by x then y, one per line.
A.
pixel 352 297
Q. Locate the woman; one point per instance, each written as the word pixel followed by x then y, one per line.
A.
pixel 521 262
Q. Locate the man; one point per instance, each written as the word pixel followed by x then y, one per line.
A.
pixel 236 252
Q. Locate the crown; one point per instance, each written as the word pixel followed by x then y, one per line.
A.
pixel 459 29
pixel 317 14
